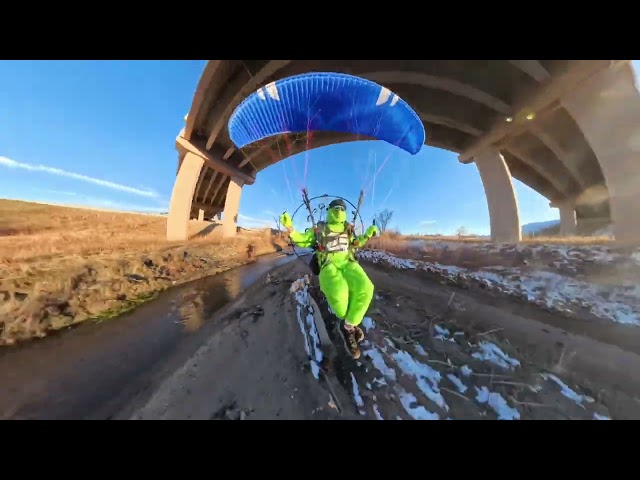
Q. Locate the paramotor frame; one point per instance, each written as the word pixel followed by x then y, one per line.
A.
pixel 356 211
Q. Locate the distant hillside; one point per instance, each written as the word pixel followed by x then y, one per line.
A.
pixel 598 227
pixel 535 228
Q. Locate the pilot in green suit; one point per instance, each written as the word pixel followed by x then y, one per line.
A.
pixel 342 280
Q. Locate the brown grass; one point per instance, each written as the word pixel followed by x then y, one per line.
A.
pixel 527 240
pixel 400 246
pixel 31 232
pixel 395 242
pixel 82 261
pixel 467 255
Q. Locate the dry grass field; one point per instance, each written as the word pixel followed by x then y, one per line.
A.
pixel 62 265
pixel 472 251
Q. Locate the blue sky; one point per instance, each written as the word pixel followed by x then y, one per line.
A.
pixel 102 134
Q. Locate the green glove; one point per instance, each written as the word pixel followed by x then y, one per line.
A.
pixel 285 220
pixel 371 231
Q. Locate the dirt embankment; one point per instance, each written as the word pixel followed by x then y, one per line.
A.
pixel 60 266
pixel 435 352
pixel 584 258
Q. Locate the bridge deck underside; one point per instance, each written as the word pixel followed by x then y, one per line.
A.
pixel 458 102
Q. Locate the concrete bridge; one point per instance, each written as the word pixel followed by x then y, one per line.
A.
pixel 569 129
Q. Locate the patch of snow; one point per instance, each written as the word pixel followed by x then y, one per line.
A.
pixel 567 391
pixel 379 363
pixel 427 378
pixel 421 351
pixel 380 381
pixel 368 323
pixel 306 321
pixel 548 289
pixel 559 292
pixel 497 404
pixel 441 331
pixel 418 412
pixel 375 257
pixel 490 352
pixel 536 387
pixel 597 416
pixel 466 371
pixel 377 413
pixel 356 391
pixel 457 382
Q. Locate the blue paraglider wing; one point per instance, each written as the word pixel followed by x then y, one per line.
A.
pixel 329 102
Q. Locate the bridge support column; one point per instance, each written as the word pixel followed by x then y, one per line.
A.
pixel 568 219
pixel 201 215
pixel 231 207
pixel 501 197
pixel 182 196
pixel 606 107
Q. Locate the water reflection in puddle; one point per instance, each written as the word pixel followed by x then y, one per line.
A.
pixel 198 300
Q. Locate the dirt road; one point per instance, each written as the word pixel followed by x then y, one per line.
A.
pixel 426 356
pixel 254 367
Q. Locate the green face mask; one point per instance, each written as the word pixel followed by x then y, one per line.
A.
pixel 336 215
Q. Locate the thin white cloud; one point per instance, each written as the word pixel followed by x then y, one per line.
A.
pixel 57 192
pixel 84 201
pixel 127 207
pixel 427 222
pixel 9 163
pixel 80 200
